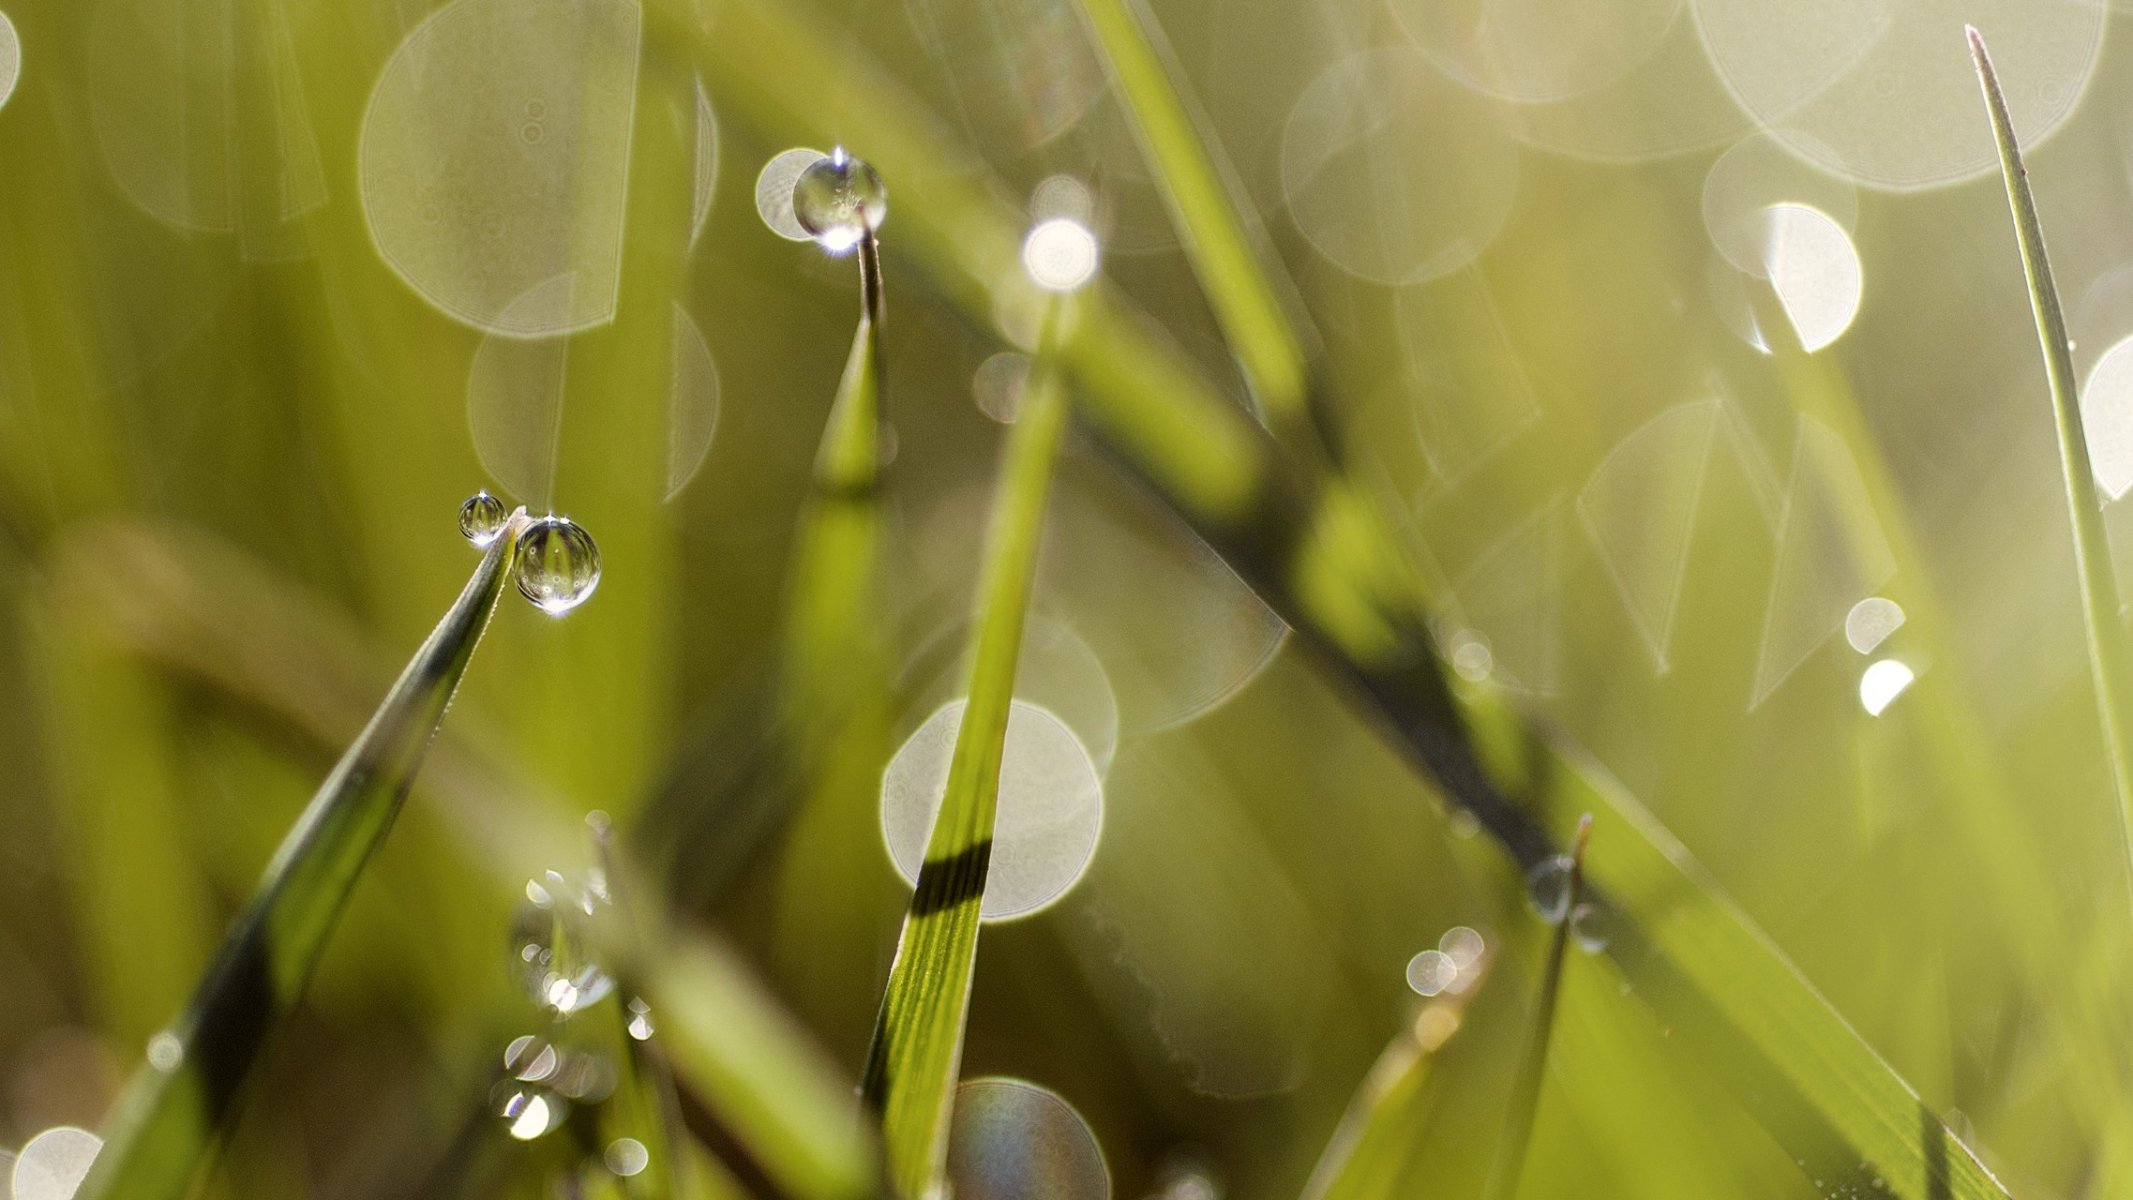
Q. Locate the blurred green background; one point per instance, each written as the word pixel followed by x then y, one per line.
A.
pixel 268 273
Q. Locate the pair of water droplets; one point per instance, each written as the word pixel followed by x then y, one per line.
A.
pixel 558 562
pixel 1549 892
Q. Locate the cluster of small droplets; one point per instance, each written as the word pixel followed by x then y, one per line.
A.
pixel 558 564
pixel 839 200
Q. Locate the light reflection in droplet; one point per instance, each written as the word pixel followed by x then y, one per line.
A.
pixel 774 190
pixel 1012 1140
pixel 1060 254
pixel 1050 811
pixel 1881 684
pixel 2107 419
pixel 1814 270
pixel 1432 973
pixel 52 1165
pixel 1871 621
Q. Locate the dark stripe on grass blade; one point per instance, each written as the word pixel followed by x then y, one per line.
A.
pixel 173 1114
pixel 956 880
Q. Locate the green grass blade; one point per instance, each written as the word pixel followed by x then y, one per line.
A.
pixel 918 1040
pixel 1517 1133
pixel 1252 318
pixel 2109 664
pixel 174 1112
pixel 1369 1154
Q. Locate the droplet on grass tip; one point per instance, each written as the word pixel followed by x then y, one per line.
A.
pixel 481 518
pixel 838 200
pixel 1548 888
pixel 558 565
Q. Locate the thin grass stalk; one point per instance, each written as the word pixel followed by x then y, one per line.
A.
pixel 918 1040
pixel 180 1104
pixel 1517 1133
pixel 2110 666
pixel 1201 205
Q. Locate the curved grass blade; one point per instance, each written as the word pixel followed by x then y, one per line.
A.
pixel 918 1040
pixel 1200 202
pixel 1368 1156
pixel 1517 1131
pixel 197 607
pixel 2110 665
pixel 181 1102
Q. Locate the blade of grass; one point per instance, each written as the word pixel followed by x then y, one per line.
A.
pixel 1706 970
pixel 1200 203
pixel 2109 664
pixel 1511 1143
pixel 196 607
pixel 1367 1156
pixel 918 1040
pixel 180 1103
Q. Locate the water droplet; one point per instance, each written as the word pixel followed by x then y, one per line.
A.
pixel 839 199
pixel 531 1112
pixel 1462 945
pixel 52 1165
pixel 1592 927
pixel 165 1052
pixel 1548 888
pixel 627 1156
pixel 640 1026
pixel 481 518
pixel 558 564
pixel 1431 973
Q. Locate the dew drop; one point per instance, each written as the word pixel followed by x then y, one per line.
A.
pixel 1548 888
pixel 165 1052
pixel 481 518
pixel 531 1059
pixel 1592 927
pixel 838 200
pixel 558 564
pixel 1432 973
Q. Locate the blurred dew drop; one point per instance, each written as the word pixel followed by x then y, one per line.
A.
pixel 1882 683
pixel 706 181
pixel 626 1157
pixel 1871 621
pixel 1432 973
pixel 1814 269
pixel 550 948
pixel 1754 174
pixel 532 1112
pixel 481 518
pixel 1548 888
pixel 558 565
pixel 1392 171
pixel 838 200
pixel 2107 418
pixel 1874 92
pixel 10 59
pixel 531 1059
pixel 1011 1140
pixel 774 191
pixel 1050 808
pixel 1060 254
pixel 1671 103
pixel 1055 670
pixel 1471 656
pixel 997 385
pixel 1462 945
pixel 1592 927
pixel 52 1165
pixel 640 1022
pixel 165 1052
pixel 1639 509
pixel 1063 197
pixel 692 401
pixel 1538 50
pixel 494 161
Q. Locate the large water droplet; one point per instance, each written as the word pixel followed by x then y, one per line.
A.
pixel 838 200
pixel 1548 888
pixel 558 564
pixel 481 518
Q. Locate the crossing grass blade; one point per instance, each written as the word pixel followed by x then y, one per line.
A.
pixel 1370 1152
pixel 1200 203
pixel 2110 665
pixel 918 1040
pixel 1292 532
pixel 1517 1133
pixel 180 1103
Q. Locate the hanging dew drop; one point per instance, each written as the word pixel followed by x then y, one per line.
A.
pixel 1592 927
pixel 1548 888
pixel 481 518
pixel 558 565
pixel 839 200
